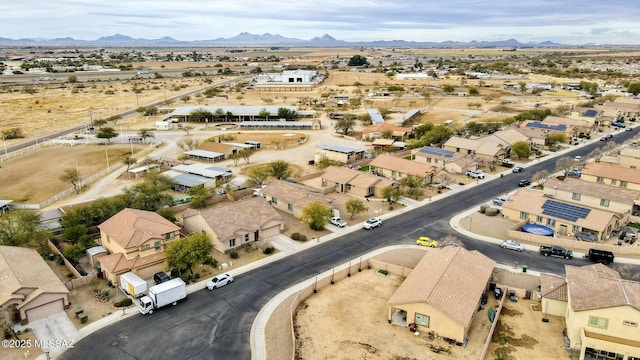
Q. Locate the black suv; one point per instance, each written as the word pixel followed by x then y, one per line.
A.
pixel 160 277
pixel 524 183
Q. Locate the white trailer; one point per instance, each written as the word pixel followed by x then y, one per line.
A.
pixel 132 285
pixel 166 293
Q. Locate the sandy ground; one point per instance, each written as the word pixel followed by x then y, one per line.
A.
pixel 356 327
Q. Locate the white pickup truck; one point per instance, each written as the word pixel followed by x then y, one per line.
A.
pixel 337 221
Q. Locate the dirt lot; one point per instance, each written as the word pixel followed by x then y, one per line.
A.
pixel 356 327
pixel 35 177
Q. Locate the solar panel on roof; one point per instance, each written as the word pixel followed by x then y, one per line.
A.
pixel 539 125
pixel 591 112
pixel 564 211
pixel 437 151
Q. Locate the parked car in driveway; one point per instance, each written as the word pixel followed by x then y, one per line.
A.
pixel 475 174
pixel 372 223
pixel 160 277
pixel 618 124
pixel 511 245
pixel 586 236
pixel 337 221
pixel 426 241
pixel 523 183
pixel 219 281
pixel 517 169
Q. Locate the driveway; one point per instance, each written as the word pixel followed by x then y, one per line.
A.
pixel 54 327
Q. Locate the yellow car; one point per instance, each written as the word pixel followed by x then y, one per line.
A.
pixel 426 241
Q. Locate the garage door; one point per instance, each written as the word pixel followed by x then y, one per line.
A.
pixel 45 310
pixel 147 273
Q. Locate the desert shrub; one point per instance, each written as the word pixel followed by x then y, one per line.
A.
pixel 234 254
pixel 211 262
pixel 268 250
pixel 295 236
pixel 124 302
pixel 302 237
pixel 248 248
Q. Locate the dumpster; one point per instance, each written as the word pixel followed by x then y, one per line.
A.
pixel 524 268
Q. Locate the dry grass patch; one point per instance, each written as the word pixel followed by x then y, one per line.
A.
pixel 36 177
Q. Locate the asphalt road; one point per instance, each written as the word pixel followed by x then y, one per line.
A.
pixel 217 324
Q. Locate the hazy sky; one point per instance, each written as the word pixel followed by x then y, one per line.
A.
pixel 562 21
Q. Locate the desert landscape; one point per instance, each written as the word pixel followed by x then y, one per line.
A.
pixel 355 327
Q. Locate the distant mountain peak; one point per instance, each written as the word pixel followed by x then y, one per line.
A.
pixel 248 39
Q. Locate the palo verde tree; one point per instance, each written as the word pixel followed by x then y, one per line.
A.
pixel 200 195
pixel 21 227
pixel 392 194
pixel 279 169
pixel 106 133
pixel 414 185
pixel 346 124
pixel 284 113
pixel 146 134
pixel 188 252
pixel 521 148
pixel 200 115
pixel 73 176
pixel 316 215
pixel 258 175
pixel 355 207
pixel 149 194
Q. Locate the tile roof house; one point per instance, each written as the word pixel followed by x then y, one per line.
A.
pixel 553 289
pixel 442 293
pixel 564 217
pixel 602 312
pixel 378 130
pixel 623 107
pixel 452 162
pixel 486 150
pixel 612 175
pixel 136 240
pixel 595 195
pixel 507 136
pixel 589 115
pixel 29 289
pixel 235 225
pixel 292 198
pixel 355 182
pixel 397 168
pixel 630 157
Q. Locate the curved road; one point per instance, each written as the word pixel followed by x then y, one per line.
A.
pixel 217 324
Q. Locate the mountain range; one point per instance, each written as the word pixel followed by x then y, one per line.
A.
pixel 266 39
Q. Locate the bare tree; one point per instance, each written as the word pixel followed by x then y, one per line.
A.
pixel 596 154
pixel 444 180
pixel 187 129
pixel 188 144
pixel 565 164
pixel 540 177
